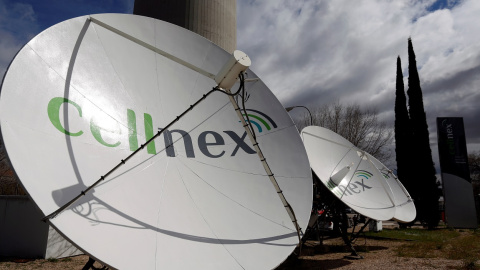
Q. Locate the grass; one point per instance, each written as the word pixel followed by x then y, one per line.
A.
pixel 451 244
pixel 422 235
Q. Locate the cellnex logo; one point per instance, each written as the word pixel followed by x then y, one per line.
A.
pixel 354 187
pixel 450 137
pixel 363 174
pixel 257 120
pixel 55 104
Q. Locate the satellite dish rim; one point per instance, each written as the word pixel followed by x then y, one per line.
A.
pixel 303 175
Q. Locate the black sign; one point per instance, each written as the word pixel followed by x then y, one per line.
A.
pixel 452 147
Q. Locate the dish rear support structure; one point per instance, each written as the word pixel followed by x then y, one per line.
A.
pixel 89 265
pixel 335 210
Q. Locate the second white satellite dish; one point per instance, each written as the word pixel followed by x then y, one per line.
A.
pixel 356 177
pixel 84 94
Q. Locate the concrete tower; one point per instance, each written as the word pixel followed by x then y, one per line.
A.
pixel 215 20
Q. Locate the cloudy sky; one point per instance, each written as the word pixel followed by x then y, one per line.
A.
pixel 315 52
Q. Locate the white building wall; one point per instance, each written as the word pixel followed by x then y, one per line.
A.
pixel 215 20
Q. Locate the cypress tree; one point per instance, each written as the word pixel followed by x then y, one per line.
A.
pixel 403 133
pixel 426 194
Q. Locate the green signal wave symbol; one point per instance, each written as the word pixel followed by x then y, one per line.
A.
pixel 363 174
pixel 259 119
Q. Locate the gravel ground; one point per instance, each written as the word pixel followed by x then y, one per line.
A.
pixel 76 262
pixel 378 254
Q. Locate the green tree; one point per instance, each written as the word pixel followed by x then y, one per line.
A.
pixel 474 167
pixel 403 133
pixel 9 183
pixel 426 193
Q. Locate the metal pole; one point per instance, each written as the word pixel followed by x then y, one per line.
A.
pixel 293 107
pixel 269 172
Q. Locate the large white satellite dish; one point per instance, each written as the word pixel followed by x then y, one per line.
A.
pixel 356 177
pixel 84 94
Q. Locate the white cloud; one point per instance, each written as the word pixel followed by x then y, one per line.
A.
pixel 303 46
pixel 315 52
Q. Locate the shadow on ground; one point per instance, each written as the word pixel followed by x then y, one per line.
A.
pixel 311 256
pixel 303 264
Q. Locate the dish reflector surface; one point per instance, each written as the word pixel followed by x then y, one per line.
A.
pixel 404 207
pixel 85 93
pixel 356 177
